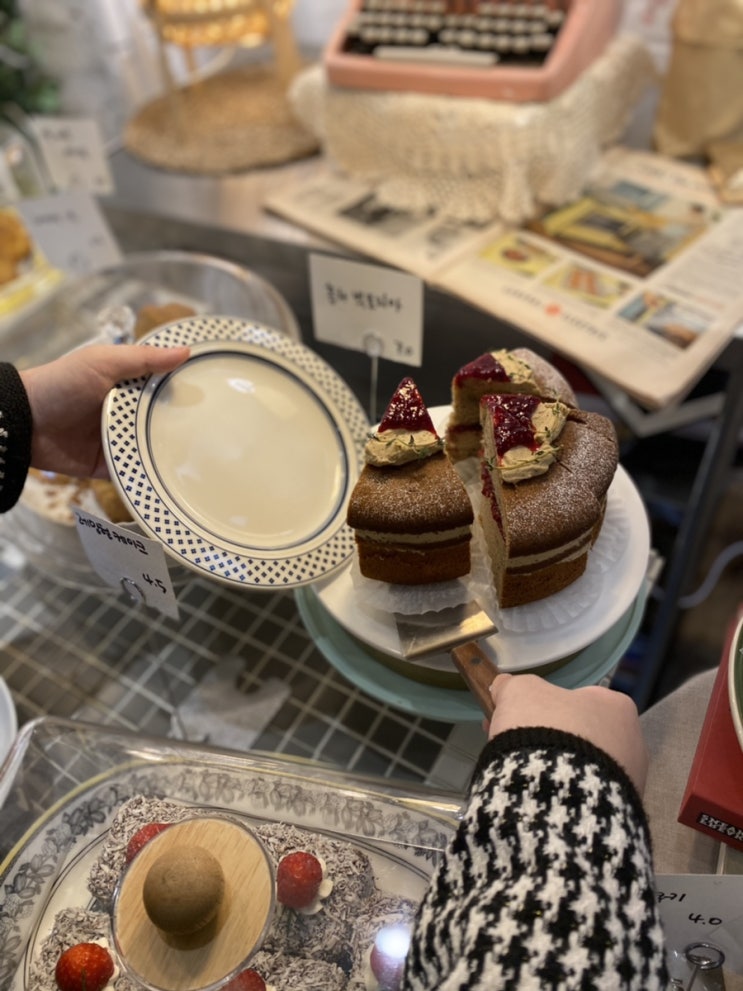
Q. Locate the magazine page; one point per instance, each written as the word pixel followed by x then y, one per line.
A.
pixel 638 280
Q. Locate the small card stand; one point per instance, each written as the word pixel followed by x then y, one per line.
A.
pixel 373 345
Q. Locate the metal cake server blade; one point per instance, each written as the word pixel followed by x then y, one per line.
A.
pixel 458 630
pixel 442 629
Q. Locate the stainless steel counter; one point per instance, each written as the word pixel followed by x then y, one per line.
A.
pixel 229 202
pixel 455 330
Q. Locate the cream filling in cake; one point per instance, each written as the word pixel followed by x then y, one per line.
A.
pixel 397 447
pixel 436 537
pixel 570 551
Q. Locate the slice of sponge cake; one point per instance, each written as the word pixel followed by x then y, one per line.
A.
pixel 520 370
pixel 409 509
pixel 545 472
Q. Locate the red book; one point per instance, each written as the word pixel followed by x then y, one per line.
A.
pixel 713 800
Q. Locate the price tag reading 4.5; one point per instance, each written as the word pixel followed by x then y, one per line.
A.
pixel 354 303
pixel 128 561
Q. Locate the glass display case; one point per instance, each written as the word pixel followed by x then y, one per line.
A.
pixel 64 782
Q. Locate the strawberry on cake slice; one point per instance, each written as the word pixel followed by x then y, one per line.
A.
pixel 409 509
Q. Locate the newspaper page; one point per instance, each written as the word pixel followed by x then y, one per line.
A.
pixel 349 212
pixel 639 280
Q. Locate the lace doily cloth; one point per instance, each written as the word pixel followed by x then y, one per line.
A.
pixel 475 160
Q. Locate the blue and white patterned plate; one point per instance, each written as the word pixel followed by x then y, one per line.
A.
pixel 242 460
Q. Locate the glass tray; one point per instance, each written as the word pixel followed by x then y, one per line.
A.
pixel 63 782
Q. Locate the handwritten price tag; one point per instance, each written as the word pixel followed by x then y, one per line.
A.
pixel 128 561
pixel 367 308
pixel 71 231
pixel 74 153
pixel 703 907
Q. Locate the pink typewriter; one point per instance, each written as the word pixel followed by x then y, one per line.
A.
pixel 513 51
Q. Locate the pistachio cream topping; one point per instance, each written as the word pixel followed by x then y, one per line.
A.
pixel 517 370
pixel 520 462
pixel 398 446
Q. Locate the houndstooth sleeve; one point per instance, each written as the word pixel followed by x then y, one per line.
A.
pixel 15 436
pixel 548 882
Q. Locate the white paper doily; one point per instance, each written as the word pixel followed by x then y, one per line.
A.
pixel 409 600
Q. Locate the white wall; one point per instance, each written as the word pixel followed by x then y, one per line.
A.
pixel 315 19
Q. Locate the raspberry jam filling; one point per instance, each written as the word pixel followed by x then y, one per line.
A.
pixel 488 491
pixel 486 367
pixel 406 410
pixel 512 421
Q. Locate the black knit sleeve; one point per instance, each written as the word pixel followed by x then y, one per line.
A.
pixel 548 881
pixel 15 436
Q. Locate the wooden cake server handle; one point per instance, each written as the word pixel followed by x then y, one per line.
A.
pixel 478 671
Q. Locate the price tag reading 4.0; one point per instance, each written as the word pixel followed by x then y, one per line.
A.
pixel 354 303
pixel 703 907
pixel 128 561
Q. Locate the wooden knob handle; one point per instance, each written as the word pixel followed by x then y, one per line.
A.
pixel 478 671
